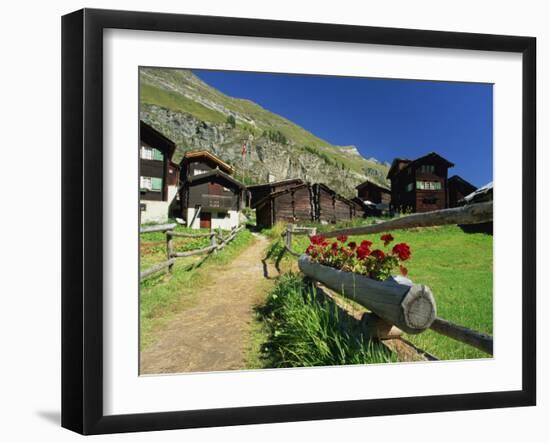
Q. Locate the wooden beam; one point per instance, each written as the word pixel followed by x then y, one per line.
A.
pixel 473 338
pixel 156 268
pixel 157 228
pixel 410 307
pixel 194 252
pixel 190 235
pixel 465 215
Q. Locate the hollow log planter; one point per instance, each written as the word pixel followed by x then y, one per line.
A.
pixel 411 307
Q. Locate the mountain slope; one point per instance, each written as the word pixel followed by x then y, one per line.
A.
pixel 196 116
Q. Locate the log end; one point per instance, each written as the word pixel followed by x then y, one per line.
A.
pixel 419 310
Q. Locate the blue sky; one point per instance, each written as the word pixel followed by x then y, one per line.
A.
pixel 383 118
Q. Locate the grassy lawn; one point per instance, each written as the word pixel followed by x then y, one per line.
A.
pixel 458 267
pixel 304 331
pixel 165 294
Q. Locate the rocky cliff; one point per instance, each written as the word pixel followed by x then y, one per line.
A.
pixel 197 116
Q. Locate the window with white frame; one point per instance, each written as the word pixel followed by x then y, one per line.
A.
pixel 428 185
pixel 146 183
pixel 199 171
pixel 147 153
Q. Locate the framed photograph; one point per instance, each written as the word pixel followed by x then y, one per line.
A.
pixel 269 221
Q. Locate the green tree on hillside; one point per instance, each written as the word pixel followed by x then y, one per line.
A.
pixel 231 121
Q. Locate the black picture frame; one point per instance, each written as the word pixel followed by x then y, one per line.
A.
pixel 82 218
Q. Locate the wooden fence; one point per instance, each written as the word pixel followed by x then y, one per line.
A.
pixel 381 323
pixel 217 243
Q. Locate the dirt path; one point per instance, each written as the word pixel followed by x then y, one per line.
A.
pixel 213 335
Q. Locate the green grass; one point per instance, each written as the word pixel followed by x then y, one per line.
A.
pixel 163 295
pixel 153 95
pixel 306 331
pixel 458 267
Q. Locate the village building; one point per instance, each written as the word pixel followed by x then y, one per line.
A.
pixel 209 197
pixel 332 207
pixel 158 175
pixel 374 196
pixel 288 205
pixel 258 192
pixel 458 189
pixel 419 185
pixel 303 202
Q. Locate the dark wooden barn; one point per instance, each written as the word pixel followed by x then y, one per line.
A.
pixel 458 189
pixel 158 175
pixel 419 185
pixel 305 203
pixel 332 207
pixel 373 192
pixel 258 192
pixel 209 197
pixel 289 205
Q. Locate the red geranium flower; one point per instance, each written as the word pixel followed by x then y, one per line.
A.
pixel 378 254
pixel 334 246
pixel 402 250
pixel 342 238
pixel 363 252
pixel 366 244
pixel 352 245
pixel 309 249
pixel 316 239
pixel 387 239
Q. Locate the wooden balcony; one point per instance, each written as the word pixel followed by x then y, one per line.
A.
pixel 214 201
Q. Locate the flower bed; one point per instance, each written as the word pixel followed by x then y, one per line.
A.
pixel 359 258
pixel 365 275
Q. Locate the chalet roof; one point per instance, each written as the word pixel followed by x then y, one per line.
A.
pixel 368 181
pixel 459 179
pixel 485 193
pixel 215 173
pixel 192 155
pixel 333 192
pixel 262 201
pixel 361 203
pixel 432 156
pixel 156 139
pixel 278 182
pixel 395 164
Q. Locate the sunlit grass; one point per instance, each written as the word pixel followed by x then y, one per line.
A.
pixel 165 294
pixel 458 267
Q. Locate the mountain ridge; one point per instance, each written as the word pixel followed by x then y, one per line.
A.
pixel 197 116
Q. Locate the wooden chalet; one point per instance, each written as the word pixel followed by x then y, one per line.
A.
pixel 209 197
pixel 458 189
pixel 372 192
pixel 258 192
pixel 288 205
pixel 419 185
pixel 306 203
pixel 332 207
pixel 158 175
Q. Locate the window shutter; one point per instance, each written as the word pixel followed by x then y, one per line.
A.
pixel 156 183
pixel 157 155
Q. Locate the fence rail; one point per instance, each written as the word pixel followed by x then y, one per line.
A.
pixel 217 242
pixel 465 215
pixel 157 228
pixel 384 321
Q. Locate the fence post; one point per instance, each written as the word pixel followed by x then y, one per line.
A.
pixel 214 241
pixel 288 239
pixel 169 249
